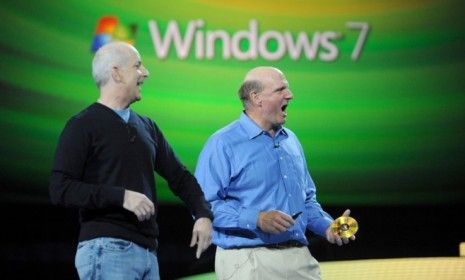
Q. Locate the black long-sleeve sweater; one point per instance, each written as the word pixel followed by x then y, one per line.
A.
pixel 99 156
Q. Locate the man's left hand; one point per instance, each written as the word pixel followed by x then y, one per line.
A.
pixel 201 235
pixel 334 238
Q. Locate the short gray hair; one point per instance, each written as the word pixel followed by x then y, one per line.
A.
pixel 111 54
pixel 246 88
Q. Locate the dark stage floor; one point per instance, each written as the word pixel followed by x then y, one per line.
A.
pixel 39 240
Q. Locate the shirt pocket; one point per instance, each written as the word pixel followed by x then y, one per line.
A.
pixel 299 172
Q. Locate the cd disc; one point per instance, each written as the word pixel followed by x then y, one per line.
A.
pixel 344 226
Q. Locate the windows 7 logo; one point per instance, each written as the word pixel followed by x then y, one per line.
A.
pixel 109 29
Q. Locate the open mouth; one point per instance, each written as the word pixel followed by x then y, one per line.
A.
pixel 283 110
pixel 139 83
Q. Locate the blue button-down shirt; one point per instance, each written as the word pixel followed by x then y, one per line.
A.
pixel 243 170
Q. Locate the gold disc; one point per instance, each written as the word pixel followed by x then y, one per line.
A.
pixel 344 226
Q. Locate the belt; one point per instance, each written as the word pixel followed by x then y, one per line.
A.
pixel 282 245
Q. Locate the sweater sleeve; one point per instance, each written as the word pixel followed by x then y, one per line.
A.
pixel 179 179
pixel 66 185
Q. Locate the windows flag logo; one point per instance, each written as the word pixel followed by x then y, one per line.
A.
pixel 109 29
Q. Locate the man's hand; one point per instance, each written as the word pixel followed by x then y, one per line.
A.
pixel 274 221
pixel 139 204
pixel 334 238
pixel 201 235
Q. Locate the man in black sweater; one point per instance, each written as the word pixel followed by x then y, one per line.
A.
pixel 104 165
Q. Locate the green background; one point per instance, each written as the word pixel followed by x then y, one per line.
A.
pixel 386 129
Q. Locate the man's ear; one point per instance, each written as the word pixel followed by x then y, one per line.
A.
pixel 255 98
pixel 115 74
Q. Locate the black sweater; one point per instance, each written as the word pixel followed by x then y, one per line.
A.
pixel 99 156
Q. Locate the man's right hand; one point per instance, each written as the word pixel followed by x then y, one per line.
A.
pixel 139 204
pixel 274 221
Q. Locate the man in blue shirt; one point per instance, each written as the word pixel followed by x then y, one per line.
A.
pixel 254 173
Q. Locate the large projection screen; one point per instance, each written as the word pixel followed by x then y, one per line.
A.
pixel 379 86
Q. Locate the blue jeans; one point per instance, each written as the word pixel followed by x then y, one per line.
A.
pixel 115 259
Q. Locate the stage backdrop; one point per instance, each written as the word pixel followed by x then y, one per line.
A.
pixel 379 86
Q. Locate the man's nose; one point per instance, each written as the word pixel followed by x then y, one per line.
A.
pixel 145 72
pixel 289 94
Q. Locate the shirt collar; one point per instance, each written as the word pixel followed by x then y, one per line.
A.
pixel 123 113
pixel 252 129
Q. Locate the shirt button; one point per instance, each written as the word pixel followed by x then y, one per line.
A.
pixel 296 234
pixel 289 195
pixel 280 158
pixel 285 176
pixel 248 225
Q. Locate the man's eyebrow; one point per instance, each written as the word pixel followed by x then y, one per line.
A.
pixel 280 89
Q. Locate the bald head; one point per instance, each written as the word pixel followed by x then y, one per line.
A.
pixel 110 55
pixel 262 73
pixel 255 81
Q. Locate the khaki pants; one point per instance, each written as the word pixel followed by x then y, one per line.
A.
pixel 267 264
